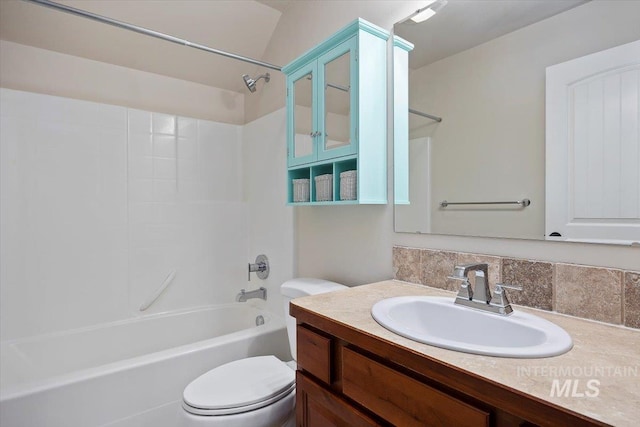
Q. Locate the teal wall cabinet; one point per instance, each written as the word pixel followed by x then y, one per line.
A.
pixel 337 118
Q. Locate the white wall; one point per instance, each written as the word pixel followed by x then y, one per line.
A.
pixel 353 244
pixel 43 71
pixel 416 216
pixel 270 219
pixel 100 203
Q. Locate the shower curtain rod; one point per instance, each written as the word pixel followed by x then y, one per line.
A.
pixel 428 116
pixel 145 31
pixel 176 40
pixel 162 36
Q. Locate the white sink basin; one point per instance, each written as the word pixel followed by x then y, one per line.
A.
pixel 438 321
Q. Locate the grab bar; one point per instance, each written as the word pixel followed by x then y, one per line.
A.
pixel 154 296
pixel 524 203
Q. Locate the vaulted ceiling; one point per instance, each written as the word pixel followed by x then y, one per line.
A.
pixel 242 27
pixel 463 24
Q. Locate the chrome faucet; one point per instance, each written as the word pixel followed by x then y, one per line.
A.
pixel 243 296
pixel 480 291
pixel 479 296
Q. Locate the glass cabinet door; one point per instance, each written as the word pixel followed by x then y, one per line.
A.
pixel 302 123
pixel 337 102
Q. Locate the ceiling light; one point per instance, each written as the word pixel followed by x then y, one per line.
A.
pixel 423 16
pixel 428 11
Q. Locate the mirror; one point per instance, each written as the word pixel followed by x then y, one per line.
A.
pixel 337 102
pixel 327 123
pixel 480 66
pixel 303 116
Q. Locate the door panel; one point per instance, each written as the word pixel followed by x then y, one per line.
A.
pixel 593 147
pixel 336 106
pixel 302 123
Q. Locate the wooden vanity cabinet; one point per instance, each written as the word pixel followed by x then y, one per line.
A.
pixel 348 378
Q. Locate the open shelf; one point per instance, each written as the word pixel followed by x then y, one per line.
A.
pixel 338 168
pixel 335 168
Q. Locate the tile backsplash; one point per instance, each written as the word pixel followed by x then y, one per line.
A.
pixel 604 294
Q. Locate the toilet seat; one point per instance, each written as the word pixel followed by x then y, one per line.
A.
pixel 239 386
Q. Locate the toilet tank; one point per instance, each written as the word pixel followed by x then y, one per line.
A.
pixel 301 287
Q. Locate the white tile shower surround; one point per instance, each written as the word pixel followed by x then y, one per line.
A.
pixel 186 209
pixel 99 203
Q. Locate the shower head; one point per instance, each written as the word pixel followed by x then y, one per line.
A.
pixel 251 83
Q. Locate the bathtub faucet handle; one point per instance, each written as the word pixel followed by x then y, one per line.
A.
pixel 260 267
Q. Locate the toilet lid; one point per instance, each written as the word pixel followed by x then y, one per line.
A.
pixel 241 383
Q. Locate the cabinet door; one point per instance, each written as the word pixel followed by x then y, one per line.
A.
pixel 319 407
pixel 302 120
pixel 337 101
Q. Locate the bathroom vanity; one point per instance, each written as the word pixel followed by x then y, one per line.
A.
pixel 353 372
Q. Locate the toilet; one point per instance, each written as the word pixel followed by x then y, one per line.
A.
pixel 256 391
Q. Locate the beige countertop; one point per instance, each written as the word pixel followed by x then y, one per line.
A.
pixel 603 365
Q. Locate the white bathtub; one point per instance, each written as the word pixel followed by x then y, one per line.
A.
pixel 128 373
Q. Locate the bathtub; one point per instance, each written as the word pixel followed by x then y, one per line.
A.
pixel 128 373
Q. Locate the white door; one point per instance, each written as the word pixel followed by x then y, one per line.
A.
pixel 593 147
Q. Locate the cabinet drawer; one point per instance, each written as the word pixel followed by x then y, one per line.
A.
pixel 314 354
pixel 401 399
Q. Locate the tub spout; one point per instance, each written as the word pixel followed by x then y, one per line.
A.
pixel 243 296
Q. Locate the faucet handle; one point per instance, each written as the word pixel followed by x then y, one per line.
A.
pixel 465 291
pixel 500 295
pixel 505 286
pixel 260 267
pixel 459 272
